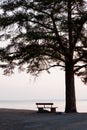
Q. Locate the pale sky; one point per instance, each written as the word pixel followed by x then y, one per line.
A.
pixel 22 86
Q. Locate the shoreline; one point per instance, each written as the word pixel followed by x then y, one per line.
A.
pixel 20 119
pixel 16 110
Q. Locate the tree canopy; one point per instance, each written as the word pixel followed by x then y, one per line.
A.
pixel 39 33
pixel 44 34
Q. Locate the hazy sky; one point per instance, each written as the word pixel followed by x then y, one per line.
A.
pixel 21 86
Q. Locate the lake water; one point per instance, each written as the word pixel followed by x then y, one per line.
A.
pixel 30 105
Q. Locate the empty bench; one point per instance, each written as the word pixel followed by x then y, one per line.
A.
pixel 43 106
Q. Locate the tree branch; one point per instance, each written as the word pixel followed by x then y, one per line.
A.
pixel 57 34
pixel 79 29
pixel 79 67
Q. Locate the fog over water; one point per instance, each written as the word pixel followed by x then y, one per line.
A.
pixel 22 86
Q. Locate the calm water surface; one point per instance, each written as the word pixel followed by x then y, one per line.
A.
pixel 30 105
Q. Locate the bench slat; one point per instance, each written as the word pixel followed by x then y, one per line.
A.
pixel 44 103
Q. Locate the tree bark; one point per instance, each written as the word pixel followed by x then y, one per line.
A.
pixel 70 87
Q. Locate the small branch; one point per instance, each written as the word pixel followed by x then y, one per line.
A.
pixel 43 25
pixel 57 34
pixel 77 60
pixel 79 67
pixel 47 69
pixel 79 29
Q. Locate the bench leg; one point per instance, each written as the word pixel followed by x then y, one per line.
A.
pixel 53 110
pixel 40 109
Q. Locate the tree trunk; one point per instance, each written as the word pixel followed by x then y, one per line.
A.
pixel 70 87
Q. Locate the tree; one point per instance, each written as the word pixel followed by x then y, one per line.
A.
pixel 45 34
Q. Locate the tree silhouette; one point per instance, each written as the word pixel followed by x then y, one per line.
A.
pixel 46 33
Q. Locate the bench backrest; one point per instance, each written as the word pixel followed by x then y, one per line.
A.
pixel 44 103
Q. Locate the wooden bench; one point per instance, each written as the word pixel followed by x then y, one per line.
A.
pixel 43 106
